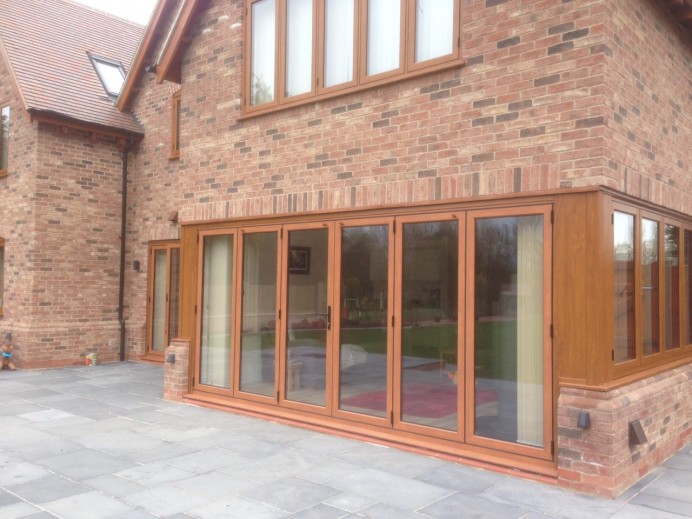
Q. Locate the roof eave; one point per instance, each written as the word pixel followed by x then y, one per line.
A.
pixel 167 66
pixel 51 117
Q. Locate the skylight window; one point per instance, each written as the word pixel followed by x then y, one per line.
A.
pixel 111 73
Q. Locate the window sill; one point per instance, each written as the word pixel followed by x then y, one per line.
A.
pixel 249 113
pixel 3 173
pixel 174 156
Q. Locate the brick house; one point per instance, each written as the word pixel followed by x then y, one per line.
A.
pixel 61 164
pixel 463 227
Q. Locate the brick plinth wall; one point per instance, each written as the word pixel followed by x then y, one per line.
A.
pixel 600 459
pixel 175 374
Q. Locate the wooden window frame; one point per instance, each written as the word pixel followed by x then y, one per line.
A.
pixel 175 124
pixel 663 356
pixel 686 307
pixel 4 171
pixel 407 69
pixel 167 246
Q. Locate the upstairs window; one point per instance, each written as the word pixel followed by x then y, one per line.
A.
pixel 4 139
pixel 110 72
pixel 175 125
pixel 307 49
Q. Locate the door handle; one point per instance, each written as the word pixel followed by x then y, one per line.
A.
pixel 329 318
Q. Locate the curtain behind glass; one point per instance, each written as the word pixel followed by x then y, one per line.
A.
pixel 384 35
pixel 263 49
pixel 434 29
pixel 530 330
pixel 159 301
pixel 217 293
pixel 338 42
pixel 298 47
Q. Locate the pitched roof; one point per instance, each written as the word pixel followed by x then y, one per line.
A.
pixel 46 44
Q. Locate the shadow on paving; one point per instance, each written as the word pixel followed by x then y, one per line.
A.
pixel 99 441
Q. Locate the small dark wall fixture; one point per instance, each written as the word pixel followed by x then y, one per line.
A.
pixel 637 434
pixel 584 420
pixel 136 265
pixel 171 358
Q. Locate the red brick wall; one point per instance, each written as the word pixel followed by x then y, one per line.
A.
pixel 17 215
pixel 649 103
pixel 600 460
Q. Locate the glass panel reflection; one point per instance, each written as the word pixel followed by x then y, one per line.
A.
pixel 174 306
pixel 363 333
pixel 159 302
pixel 258 338
pixel 429 324
pixel 625 342
pixel 217 293
pixel 263 51
pixel 307 316
pixel 650 287
pixel 688 287
pixel 508 325
pixel 672 293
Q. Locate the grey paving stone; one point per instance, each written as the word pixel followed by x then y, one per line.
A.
pixel 15 510
pixel 674 484
pixel 154 474
pixel 92 505
pixel 324 444
pixel 661 503
pixel 40 450
pixel 233 442
pixel 7 499
pixel 47 489
pixel 273 432
pixel 167 500
pixel 141 514
pixel 384 511
pixel 680 462
pixel 286 463
pixel 350 502
pixel 329 470
pixel 473 507
pixel 19 472
pixel 237 508
pixel 642 512
pixel 462 479
pixel 85 464
pixel 120 442
pixel 113 486
pixel 291 494
pixel 320 511
pixel 390 489
pixel 550 500
pixel 19 407
pixel 40 515
pixel 216 485
pixel 204 461
pixel 169 450
pixel 391 460
pixel 46 415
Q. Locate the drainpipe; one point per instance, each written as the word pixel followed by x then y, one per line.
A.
pixel 123 230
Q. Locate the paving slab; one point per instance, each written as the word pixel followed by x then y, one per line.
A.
pixel 291 494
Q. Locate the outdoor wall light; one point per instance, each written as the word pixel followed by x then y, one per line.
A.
pixel 584 420
pixel 136 265
pixel 171 358
pixel 637 434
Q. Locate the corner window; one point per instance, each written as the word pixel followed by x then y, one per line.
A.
pixel 175 125
pixel 651 287
pixel 308 49
pixel 4 139
pixel 110 72
pixel 2 272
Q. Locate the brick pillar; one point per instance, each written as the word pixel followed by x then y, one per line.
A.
pixel 601 459
pixel 175 375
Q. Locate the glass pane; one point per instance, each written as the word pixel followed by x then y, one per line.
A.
pixel 672 274
pixel 434 29
pixel 217 297
pixel 429 292
pixel 111 75
pixel 258 339
pixel 623 230
pixel 650 288
pixel 307 316
pixel 174 306
pixel 508 325
pixel 298 47
pixel 158 340
pixel 338 42
pixel 384 35
pixel 4 136
pixel 688 287
pixel 263 51
pixel 363 333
